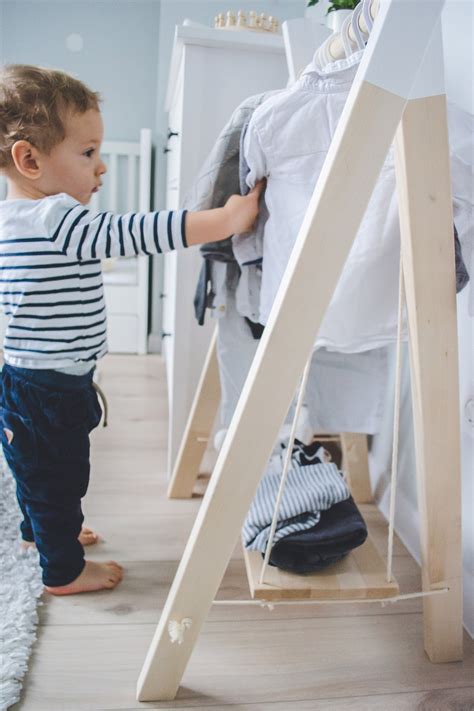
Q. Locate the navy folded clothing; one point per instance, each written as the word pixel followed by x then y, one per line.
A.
pixel 340 529
pixel 462 276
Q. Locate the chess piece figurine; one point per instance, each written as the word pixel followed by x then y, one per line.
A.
pixel 273 24
pixel 230 19
pixel 252 20
pixel 241 19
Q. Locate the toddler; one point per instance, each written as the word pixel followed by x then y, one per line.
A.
pixel 51 245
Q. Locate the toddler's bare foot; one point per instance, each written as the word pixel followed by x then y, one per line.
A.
pixel 87 537
pixel 95 576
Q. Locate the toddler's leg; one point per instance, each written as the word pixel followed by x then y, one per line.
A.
pixel 87 537
pixel 65 572
pixel 49 457
pixel 25 526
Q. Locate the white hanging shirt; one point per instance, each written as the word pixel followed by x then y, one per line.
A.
pixel 287 142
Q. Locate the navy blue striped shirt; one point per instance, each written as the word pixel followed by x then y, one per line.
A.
pixel 51 277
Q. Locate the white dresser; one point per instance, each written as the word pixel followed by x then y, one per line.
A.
pixel 211 72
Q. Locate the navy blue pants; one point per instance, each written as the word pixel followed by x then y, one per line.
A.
pixel 46 420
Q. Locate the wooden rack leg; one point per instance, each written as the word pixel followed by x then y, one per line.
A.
pixel 424 187
pixel 198 428
pixel 355 462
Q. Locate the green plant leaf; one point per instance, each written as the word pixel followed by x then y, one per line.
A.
pixel 342 5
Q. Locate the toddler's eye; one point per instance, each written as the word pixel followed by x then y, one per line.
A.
pixel 89 153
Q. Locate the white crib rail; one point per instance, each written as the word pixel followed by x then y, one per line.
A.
pixel 123 192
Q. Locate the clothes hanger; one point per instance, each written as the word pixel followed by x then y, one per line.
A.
pixel 347 45
pixel 360 36
pixel 356 28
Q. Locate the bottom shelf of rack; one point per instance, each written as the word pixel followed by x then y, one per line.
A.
pixel 361 575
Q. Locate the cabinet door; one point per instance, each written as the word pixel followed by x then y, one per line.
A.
pixel 173 145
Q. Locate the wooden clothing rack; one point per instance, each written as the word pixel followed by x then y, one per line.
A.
pixel 395 93
pixel 361 575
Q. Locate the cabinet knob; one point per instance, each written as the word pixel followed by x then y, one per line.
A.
pixel 162 295
pixel 166 150
pixel 165 335
pixel 172 133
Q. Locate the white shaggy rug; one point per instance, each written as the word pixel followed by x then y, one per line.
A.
pixel 20 588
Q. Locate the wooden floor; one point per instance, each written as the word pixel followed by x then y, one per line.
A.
pixel 304 658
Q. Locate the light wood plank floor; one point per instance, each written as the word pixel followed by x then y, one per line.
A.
pixel 305 658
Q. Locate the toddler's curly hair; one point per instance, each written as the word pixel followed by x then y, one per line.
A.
pixel 33 104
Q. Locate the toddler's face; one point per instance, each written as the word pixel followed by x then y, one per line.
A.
pixel 74 166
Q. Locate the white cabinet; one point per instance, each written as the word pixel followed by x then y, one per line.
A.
pixel 212 71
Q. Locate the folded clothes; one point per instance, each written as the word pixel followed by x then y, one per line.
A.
pixel 462 275
pixel 313 453
pixel 340 529
pixel 308 491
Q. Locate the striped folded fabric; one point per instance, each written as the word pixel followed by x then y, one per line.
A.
pixel 308 491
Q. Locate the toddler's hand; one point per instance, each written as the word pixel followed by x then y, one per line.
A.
pixel 242 211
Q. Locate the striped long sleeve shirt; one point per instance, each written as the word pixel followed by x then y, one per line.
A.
pixel 51 277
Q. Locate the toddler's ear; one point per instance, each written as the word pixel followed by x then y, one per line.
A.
pixel 25 157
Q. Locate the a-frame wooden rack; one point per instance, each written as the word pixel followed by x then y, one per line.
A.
pixel 395 93
pixel 361 575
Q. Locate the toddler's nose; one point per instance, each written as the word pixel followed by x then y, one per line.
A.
pixel 102 168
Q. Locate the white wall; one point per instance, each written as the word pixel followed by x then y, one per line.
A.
pixel 118 58
pixel 458 31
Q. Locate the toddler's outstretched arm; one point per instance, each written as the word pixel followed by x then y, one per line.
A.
pixel 84 234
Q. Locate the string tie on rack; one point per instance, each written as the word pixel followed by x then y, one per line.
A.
pixel 177 629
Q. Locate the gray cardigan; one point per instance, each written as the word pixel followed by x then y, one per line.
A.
pixel 219 178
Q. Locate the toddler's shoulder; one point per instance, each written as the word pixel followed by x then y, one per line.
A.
pixel 52 210
pixel 33 218
pixel 24 215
